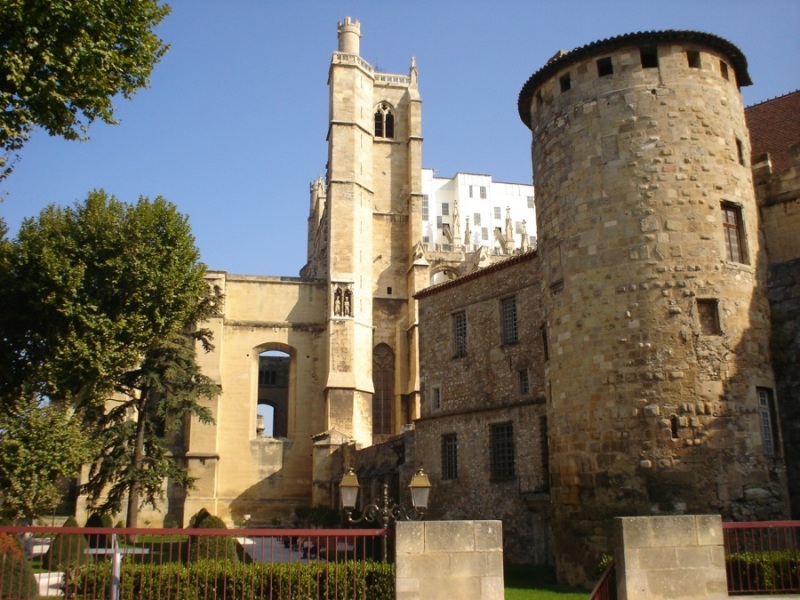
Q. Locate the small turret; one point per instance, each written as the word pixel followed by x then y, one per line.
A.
pixel 349 36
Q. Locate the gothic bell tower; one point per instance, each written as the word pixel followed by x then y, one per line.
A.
pixel 369 227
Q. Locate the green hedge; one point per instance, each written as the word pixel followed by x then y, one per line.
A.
pixel 764 571
pixel 207 580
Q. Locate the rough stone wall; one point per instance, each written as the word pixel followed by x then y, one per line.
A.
pixel 651 410
pixel 482 388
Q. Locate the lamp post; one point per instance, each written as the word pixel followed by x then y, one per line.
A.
pixel 386 511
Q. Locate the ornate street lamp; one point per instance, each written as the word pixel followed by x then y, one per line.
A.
pixel 386 511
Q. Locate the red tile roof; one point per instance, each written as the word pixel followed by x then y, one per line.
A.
pixel 774 127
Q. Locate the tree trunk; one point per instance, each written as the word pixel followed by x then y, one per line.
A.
pixel 132 519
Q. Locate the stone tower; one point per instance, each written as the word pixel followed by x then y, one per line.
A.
pixel 659 387
pixel 363 226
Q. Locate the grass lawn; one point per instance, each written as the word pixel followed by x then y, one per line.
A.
pixel 534 582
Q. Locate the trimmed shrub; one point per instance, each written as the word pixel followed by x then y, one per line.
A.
pixel 66 550
pixel 16 573
pixel 217 548
pixel 100 540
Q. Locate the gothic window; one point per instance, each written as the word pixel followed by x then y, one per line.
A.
pixel 383 381
pixel 508 309
pixel 459 334
pixel 732 232
pixel 384 121
pixel 449 456
pixel 767 421
pixel 502 451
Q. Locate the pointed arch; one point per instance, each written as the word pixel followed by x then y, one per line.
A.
pixel 384 120
pixel 275 387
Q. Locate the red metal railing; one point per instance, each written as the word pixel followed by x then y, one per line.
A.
pixel 193 564
pixel 762 557
pixel 606 588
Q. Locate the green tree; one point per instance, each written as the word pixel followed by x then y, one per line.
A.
pixel 94 287
pixel 40 446
pixel 139 453
pixel 63 61
pixel 107 299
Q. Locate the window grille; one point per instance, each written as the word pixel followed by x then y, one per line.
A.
pixel 449 456
pixel 460 334
pixel 509 313
pixel 502 451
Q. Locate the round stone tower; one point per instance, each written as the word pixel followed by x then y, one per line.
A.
pixel 660 389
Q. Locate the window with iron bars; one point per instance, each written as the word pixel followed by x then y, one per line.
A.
pixel 459 333
pixel 502 451
pixel 449 456
pixel 509 315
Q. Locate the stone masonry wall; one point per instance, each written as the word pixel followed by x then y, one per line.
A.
pixel 442 560
pixel 480 389
pixel 670 558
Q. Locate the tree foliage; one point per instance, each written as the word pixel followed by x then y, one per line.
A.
pixel 40 446
pixel 107 298
pixel 63 61
pixel 94 287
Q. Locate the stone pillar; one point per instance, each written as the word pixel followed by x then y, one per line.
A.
pixel 441 560
pixel 674 558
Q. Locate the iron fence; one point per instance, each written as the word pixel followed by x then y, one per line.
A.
pixel 762 557
pixel 606 588
pixel 194 564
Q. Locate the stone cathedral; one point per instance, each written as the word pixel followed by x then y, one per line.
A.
pixel 333 353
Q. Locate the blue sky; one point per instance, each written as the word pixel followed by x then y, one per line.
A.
pixel 232 129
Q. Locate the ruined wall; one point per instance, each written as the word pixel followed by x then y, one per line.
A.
pixel 658 328
pixel 466 394
pixel 239 471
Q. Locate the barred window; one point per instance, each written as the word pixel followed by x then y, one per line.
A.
pixel 436 398
pixel 502 450
pixel 459 334
pixel 524 382
pixel 509 315
pixel 449 456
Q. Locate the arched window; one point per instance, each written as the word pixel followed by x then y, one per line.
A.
pixel 383 380
pixel 384 121
pixel 273 392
